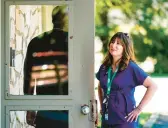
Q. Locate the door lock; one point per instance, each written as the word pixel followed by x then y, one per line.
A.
pixel 93 112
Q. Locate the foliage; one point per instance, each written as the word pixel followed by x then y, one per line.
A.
pixel 143 117
pixel 147 24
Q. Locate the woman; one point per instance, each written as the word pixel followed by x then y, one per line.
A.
pixel 118 76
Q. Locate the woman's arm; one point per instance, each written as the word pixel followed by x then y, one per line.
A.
pixel 151 89
pixel 100 94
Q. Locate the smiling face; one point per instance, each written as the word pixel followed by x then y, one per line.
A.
pixel 120 49
pixel 116 48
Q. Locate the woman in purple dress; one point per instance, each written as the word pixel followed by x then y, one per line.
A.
pixel 118 76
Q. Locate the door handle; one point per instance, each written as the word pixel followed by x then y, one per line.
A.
pixel 91 110
pixel 85 109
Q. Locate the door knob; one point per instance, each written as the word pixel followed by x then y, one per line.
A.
pixel 85 109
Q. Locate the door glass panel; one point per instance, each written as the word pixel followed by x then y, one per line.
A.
pixel 39 119
pixel 38 49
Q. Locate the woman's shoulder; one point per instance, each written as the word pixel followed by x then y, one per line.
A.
pixel 103 67
pixel 100 71
pixel 139 74
pixel 135 67
pixel 132 65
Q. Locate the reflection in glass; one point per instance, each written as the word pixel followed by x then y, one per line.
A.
pixel 38 51
pixel 39 119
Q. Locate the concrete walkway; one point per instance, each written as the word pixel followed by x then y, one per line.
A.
pixel 162 121
pixel 157 120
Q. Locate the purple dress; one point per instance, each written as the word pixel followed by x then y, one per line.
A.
pixel 121 100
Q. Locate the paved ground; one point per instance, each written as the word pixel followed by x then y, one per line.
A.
pixel 162 121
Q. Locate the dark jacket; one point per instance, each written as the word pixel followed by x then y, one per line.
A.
pixel 46 64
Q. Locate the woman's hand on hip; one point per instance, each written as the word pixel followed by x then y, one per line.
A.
pixel 133 116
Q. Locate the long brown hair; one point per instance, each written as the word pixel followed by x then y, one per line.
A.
pixel 128 51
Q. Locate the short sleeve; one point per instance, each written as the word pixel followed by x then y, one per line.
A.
pixel 98 73
pixel 139 75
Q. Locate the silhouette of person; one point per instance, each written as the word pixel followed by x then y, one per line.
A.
pixel 45 67
pixel 46 71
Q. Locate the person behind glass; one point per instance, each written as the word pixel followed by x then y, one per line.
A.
pixel 118 76
pixel 46 71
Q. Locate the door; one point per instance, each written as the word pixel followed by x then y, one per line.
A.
pixel 47 64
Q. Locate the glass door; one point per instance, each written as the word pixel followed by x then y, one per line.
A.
pixel 47 75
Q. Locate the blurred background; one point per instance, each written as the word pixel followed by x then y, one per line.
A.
pixel 146 23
